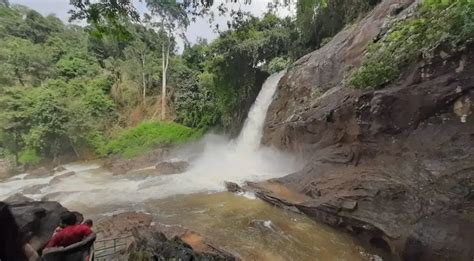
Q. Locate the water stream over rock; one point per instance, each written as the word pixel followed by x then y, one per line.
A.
pixel 194 199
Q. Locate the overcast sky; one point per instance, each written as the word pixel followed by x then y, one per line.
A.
pixel 200 28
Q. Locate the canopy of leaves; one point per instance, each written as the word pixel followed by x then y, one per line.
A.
pixel 231 70
pixel 68 89
pixel 53 93
pixel 320 19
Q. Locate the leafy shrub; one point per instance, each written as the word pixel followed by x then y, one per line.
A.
pixel 146 136
pixel 194 100
pixel 29 156
pixel 449 22
pixel 278 64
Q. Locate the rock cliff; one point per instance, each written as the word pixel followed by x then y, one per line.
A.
pixel 37 219
pixel 394 166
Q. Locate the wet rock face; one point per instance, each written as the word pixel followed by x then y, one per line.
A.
pixel 58 178
pixel 171 167
pixel 393 165
pixel 17 198
pixel 38 173
pixel 233 187
pixel 5 169
pixel 149 241
pixel 37 220
pixel 120 166
pixel 154 245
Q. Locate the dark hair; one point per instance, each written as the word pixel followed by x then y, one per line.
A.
pixel 11 239
pixel 88 222
pixel 68 219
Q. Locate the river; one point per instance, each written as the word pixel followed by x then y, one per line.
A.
pixel 196 199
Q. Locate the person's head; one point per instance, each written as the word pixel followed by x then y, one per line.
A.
pixel 68 219
pixel 11 239
pixel 88 222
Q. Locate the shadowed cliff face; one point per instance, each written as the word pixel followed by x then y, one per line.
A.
pixel 394 166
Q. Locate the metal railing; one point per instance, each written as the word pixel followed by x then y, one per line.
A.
pixel 108 248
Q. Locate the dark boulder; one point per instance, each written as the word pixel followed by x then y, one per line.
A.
pixel 144 240
pixel 265 226
pixel 40 172
pixel 38 220
pixel 154 245
pixel 233 187
pixel 171 167
pixel 58 178
pixel 120 166
pixel 59 169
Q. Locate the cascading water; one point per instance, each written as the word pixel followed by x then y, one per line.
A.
pixel 253 229
pixel 252 132
pixel 220 160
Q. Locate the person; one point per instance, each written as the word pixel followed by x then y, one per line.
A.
pixel 70 233
pixel 13 246
pixel 88 222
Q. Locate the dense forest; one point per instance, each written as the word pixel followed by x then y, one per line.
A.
pixel 67 89
pixel 86 91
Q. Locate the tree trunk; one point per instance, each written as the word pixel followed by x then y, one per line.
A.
pixel 143 78
pixel 16 148
pixel 19 77
pixel 78 156
pixel 165 62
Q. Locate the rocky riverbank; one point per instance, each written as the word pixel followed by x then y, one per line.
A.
pixel 144 239
pixel 393 166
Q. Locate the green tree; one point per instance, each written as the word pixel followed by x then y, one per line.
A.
pixel 171 18
pixel 29 63
pixel 318 20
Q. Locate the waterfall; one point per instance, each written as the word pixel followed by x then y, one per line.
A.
pixel 252 131
pixel 213 160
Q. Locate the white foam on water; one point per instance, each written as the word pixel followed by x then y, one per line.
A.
pixel 219 159
pixel 13 186
pixel 268 224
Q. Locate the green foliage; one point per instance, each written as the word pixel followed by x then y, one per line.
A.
pixel 437 22
pixel 194 100
pixel 29 156
pixel 55 117
pixel 278 64
pixel 236 63
pixel 146 136
pixel 23 62
pixel 317 20
pixel 41 117
pixel 75 66
pixel 63 89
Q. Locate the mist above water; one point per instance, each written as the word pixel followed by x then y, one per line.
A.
pixel 213 160
pixel 251 228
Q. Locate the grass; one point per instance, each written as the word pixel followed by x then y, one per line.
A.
pixel 147 136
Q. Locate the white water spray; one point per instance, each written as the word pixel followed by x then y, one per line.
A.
pixel 218 160
pixel 252 132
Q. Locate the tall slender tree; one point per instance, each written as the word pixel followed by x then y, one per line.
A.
pixel 170 19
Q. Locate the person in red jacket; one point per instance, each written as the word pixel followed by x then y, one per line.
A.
pixel 71 232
